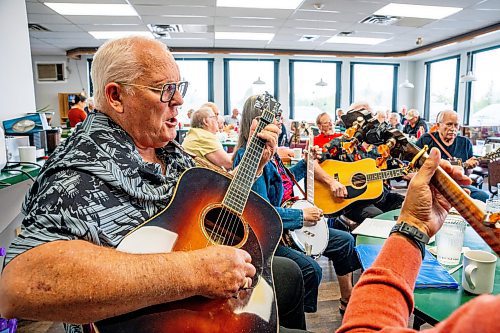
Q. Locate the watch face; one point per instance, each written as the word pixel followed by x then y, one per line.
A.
pixel 23 126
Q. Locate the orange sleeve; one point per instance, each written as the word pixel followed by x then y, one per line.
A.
pixel 382 300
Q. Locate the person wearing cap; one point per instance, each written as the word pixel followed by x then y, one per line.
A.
pixel 414 123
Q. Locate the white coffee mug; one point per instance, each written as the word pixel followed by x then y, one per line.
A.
pixel 478 275
pixel 27 154
pixel 297 153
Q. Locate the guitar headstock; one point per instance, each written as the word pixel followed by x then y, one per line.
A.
pixel 268 106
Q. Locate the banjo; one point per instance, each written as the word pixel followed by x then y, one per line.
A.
pixel 312 240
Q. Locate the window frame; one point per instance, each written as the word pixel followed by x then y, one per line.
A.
pixel 210 69
pixel 227 83
pixel 394 80
pixel 427 93
pixel 291 75
pixel 468 85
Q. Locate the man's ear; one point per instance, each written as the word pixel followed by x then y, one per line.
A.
pixel 113 92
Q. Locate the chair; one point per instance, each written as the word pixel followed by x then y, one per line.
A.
pixel 493 176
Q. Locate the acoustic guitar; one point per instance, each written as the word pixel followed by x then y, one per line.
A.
pixel 363 180
pixel 210 208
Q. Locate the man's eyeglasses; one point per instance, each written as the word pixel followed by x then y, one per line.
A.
pixel 167 90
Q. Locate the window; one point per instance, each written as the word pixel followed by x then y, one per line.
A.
pixel 374 83
pixel 314 87
pixel 441 86
pixel 244 78
pixel 484 98
pixel 199 74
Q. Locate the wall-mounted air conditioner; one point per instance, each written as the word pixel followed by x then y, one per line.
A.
pixel 50 72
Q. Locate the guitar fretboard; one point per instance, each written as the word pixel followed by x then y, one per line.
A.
pixel 385 174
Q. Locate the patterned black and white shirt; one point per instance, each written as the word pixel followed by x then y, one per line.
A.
pixel 96 187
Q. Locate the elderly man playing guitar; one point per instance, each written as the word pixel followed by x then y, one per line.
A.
pixel 457 149
pixel 115 173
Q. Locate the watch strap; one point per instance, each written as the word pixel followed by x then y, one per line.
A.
pixel 413 233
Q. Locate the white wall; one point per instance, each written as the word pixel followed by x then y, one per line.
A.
pixel 17 96
pixel 76 79
pixel 16 78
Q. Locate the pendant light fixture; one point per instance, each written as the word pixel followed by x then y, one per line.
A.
pixel 259 81
pixel 407 83
pixel 321 83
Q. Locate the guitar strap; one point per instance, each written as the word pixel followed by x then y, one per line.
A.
pixel 292 177
pixel 441 146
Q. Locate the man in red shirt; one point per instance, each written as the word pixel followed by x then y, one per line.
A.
pixel 327 133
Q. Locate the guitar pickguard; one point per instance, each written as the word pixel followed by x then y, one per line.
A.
pixel 354 192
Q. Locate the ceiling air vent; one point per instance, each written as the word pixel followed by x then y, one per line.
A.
pixel 36 27
pixel 381 19
pixel 345 33
pixel 164 30
pixel 308 38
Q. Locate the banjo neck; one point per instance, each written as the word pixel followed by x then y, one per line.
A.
pixel 310 169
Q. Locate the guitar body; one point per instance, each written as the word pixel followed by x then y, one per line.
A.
pixel 353 176
pixel 187 224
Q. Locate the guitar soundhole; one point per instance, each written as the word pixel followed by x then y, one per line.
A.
pixel 358 180
pixel 223 227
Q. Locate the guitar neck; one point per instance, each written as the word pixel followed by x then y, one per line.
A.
pixel 463 203
pixel 387 174
pixel 239 189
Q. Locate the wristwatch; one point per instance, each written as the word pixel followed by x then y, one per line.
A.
pixel 413 233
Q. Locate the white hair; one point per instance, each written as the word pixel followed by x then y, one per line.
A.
pixel 118 60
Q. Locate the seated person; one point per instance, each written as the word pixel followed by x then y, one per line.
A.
pixel 414 123
pixel 77 112
pixel 201 139
pixel 363 209
pixel 278 189
pixel 104 182
pixel 339 122
pixel 453 146
pixel 327 132
pixel 233 119
pixel 382 300
pixel 395 121
pixel 381 116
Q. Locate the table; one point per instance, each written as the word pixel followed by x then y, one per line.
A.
pixel 434 305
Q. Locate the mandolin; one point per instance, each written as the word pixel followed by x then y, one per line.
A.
pixel 363 180
pixel 210 208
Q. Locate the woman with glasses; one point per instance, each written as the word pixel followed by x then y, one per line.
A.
pixel 279 188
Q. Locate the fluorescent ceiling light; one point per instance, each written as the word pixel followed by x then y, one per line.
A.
pixel 118 34
pixel 92 9
pixel 184 16
pixel 274 4
pixel 355 40
pixel 419 11
pixel 244 35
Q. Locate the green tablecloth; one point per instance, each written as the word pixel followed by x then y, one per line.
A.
pixel 435 305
